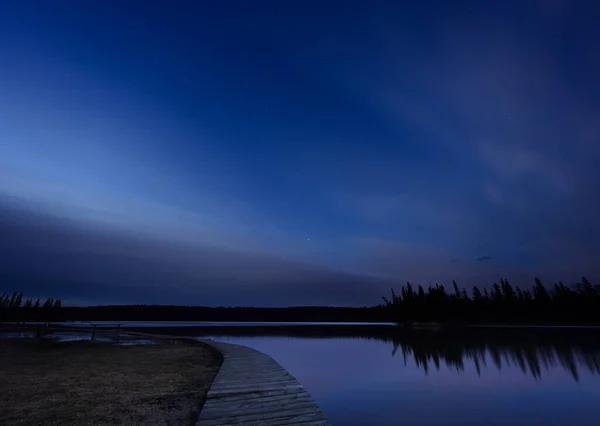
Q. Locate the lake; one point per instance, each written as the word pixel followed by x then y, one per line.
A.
pixel 478 377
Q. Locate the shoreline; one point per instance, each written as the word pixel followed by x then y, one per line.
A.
pixel 252 388
pixel 246 385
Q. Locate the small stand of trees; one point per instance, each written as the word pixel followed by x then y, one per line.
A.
pixel 14 308
pixel 503 303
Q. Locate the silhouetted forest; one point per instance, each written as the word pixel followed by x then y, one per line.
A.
pixel 14 308
pixel 202 313
pixel 503 303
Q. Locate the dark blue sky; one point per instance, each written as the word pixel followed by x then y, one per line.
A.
pixel 297 152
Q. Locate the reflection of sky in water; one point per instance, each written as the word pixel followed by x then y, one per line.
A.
pixel 359 382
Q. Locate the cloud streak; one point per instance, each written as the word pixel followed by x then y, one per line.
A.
pixel 41 254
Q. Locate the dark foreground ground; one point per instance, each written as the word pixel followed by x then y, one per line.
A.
pixel 92 383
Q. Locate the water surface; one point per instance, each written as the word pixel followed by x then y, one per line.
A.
pixel 430 378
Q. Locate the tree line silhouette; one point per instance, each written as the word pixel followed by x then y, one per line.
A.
pixel 224 314
pixel 503 303
pixel 14 308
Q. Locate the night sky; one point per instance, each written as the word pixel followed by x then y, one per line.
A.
pixel 219 152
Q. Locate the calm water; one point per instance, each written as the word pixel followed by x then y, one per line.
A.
pixel 439 378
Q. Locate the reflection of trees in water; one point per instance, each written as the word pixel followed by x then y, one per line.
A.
pixel 530 357
pixel 532 350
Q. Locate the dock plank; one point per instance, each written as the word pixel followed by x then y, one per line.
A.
pixel 251 388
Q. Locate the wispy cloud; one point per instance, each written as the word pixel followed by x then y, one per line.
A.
pixel 522 138
pixel 91 263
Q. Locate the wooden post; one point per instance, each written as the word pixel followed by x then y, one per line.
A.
pixel 94 332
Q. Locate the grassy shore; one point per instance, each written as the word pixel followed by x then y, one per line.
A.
pixel 93 383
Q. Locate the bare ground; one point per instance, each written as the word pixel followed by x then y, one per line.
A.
pixel 93 383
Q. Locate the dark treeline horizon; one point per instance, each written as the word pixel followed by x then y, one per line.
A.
pixel 13 307
pixel 225 314
pixel 502 303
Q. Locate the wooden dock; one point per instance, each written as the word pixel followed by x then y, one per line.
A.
pixel 251 388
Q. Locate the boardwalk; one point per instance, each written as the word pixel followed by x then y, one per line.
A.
pixel 253 389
